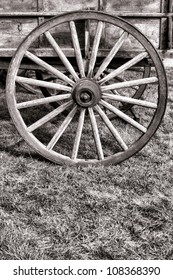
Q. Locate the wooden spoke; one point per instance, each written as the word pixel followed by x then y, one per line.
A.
pixel 87 39
pixel 61 55
pixel 124 80
pixel 111 128
pixel 130 100
pixel 39 83
pixel 77 49
pixel 41 101
pixel 62 128
pixel 48 67
pixel 49 116
pixel 87 45
pixel 124 67
pixel 123 116
pixel 115 92
pixel 111 54
pixel 132 83
pixel 96 134
pixel 78 134
pixel 95 48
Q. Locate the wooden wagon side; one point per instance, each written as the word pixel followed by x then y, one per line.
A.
pixel 18 18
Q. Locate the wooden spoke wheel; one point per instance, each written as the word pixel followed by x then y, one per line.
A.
pixel 93 90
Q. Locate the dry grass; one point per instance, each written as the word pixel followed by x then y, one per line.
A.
pixel 116 212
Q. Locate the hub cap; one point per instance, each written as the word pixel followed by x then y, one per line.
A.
pixel 86 93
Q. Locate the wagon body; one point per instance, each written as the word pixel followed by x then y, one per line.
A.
pixel 94 66
pixel 19 17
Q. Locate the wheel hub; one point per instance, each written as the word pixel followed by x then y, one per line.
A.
pixel 86 93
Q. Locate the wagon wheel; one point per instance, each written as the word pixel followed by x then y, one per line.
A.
pixel 80 137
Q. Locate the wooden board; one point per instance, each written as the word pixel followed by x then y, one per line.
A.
pixel 150 28
pixel 14 30
pixel 150 6
pixel 69 5
pixel 18 5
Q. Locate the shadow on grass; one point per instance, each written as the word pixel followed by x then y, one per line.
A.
pixel 12 150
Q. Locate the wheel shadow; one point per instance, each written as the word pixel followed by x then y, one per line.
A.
pixel 12 150
pixel 8 134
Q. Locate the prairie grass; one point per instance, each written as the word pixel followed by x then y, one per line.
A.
pixel 49 211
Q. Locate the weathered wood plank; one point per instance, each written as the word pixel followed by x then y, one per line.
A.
pixel 18 5
pixel 148 27
pixel 70 5
pixel 13 31
pixel 164 25
pixel 122 14
pixel 129 6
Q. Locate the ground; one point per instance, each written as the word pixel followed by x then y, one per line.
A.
pixel 49 211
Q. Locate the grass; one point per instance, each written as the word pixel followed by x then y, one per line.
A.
pixel 117 212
